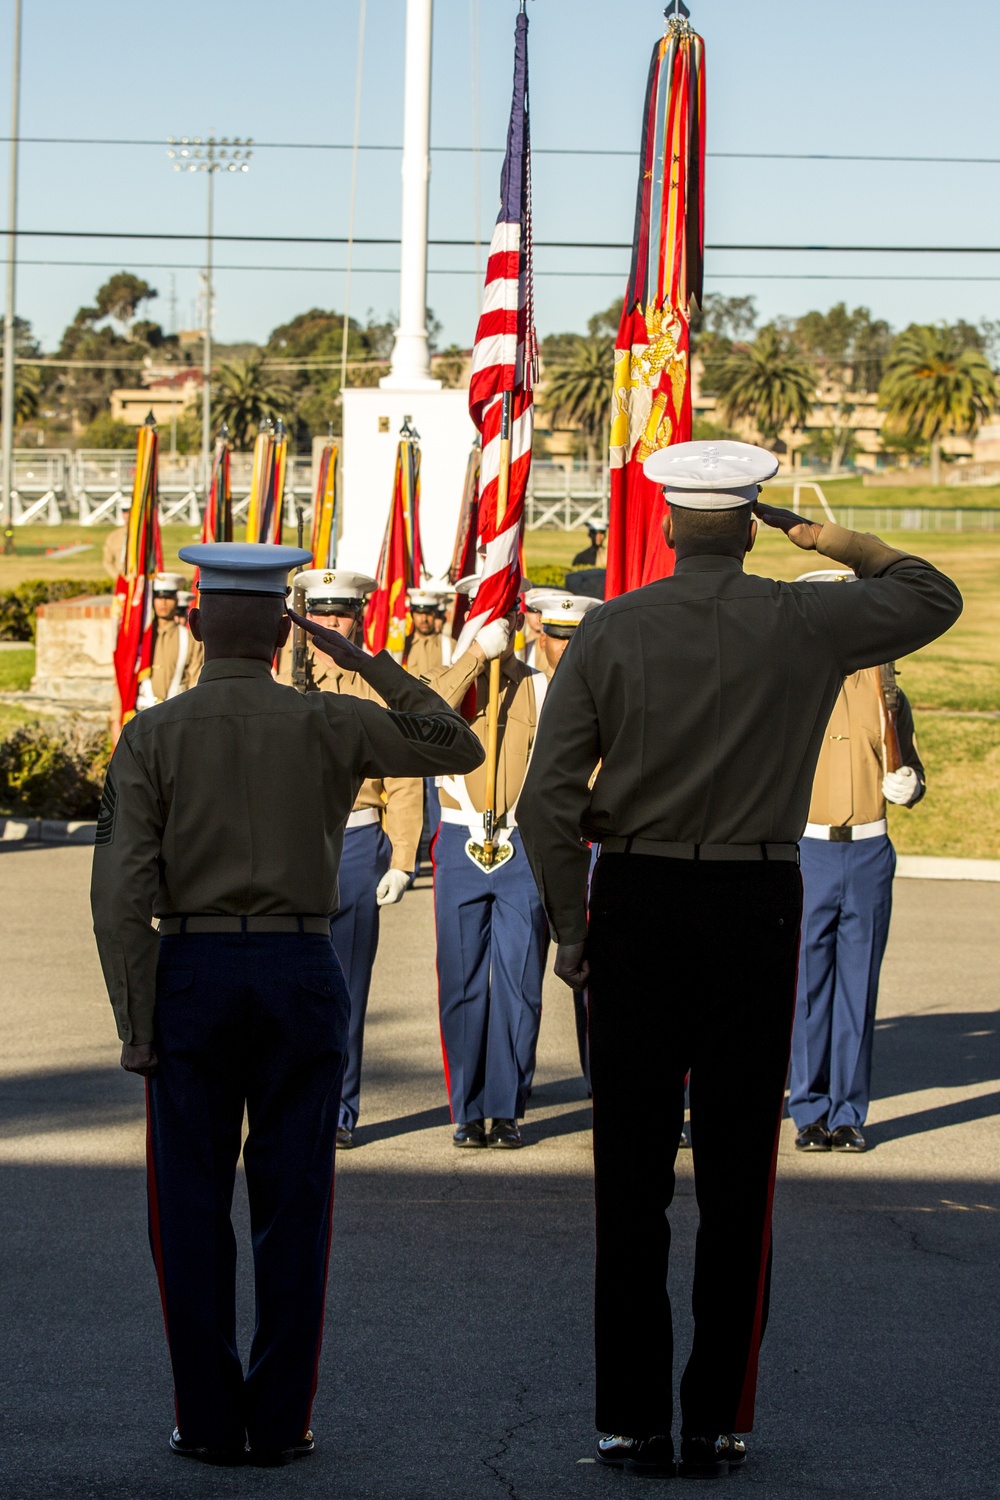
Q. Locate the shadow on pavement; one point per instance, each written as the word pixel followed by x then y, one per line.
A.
pixel 935 1050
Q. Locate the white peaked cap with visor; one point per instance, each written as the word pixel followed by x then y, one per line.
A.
pixel 703 475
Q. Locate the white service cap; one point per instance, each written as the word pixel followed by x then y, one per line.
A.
pixel 702 475
pixel 169 583
pixel 429 597
pixel 470 585
pixel 564 612
pixel 334 583
pixel 828 575
pixel 243 567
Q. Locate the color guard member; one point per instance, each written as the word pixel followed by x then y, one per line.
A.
pixel 848 864
pixel 492 935
pixel 223 816
pixel 705 696
pixel 382 833
pixel 177 656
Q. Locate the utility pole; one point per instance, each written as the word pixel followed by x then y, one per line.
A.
pixel 192 154
pixel 7 400
pixel 411 367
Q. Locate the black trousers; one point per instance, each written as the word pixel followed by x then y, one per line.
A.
pixel 257 1022
pixel 693 968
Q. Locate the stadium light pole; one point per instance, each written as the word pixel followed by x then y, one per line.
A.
pixel 193 154
pixel 7 398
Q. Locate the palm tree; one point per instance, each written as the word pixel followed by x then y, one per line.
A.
pixel 578 384
pixel 245 395
pixel 935 385
pixel 770 383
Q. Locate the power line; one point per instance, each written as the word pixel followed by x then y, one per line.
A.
pixel 977 161
pixel 326 239
pixel 159 265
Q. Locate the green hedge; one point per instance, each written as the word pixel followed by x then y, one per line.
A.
pixel 54 770
pixel 17 606
pixel 547 576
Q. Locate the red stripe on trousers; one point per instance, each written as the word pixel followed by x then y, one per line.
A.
pixel 437 971
pixel 155 1235
pixel 322 1311
pixel 748 1394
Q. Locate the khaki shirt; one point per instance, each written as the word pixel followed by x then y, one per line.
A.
pixel 847 788
pixel 516 726
pixel 706 696
pixel 423 654
pixel 166 647
pixel 232 799
pixel 399 798
pixel 113 556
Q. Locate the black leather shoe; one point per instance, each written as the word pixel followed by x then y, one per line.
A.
pixel 711 1457
pixel 221 1458
pixel 848 1138
pixel 814 1137
pixel 472 1133
pixel 505 1134
pixel 345 1138
pixel 277 1458
pixel 649 1455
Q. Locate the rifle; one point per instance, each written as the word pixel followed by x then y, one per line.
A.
pixel 888 692
pixel 302 670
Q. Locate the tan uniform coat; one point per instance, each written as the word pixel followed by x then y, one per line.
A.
pixel 847 788
pixel 423 654
pixel 517 724
pixel 166 646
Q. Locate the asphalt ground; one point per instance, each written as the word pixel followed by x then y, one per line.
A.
pixel 457 1358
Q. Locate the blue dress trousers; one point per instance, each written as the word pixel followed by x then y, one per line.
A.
pixel 845 925
pixel 256 1022
pixel 492 936
pixel 354 930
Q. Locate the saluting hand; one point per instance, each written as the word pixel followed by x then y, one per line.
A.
pixel 333 644
pixel 804 534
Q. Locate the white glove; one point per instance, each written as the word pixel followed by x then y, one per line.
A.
pixel 145 698
pixel 494 638
pixel 900 786
pixel 391 887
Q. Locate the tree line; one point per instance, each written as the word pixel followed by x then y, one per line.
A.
pixel 931 380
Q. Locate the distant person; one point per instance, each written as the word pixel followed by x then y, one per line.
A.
pixel 223 816
pixel 427 647
pixel 596 555
pixel 848 864
pixel 177 657
pixel 113 555
pixel 705 696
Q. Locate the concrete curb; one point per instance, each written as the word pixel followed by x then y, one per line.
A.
pixel 45 831
pixel 930 867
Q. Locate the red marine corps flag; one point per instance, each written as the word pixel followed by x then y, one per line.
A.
pixel 401 565
pixel 652 386
pixel 133 655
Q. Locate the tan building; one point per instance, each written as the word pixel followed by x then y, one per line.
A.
pixel 165 395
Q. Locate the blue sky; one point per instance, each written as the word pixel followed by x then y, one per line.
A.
pixel 906 77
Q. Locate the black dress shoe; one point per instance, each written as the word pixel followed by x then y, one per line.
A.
pixel 277 1458
pixel 848 1138
pixel 345 1138
pixel 222 1458
pixel 505 1134
pixel 814 1137
pixel 711 1457
pixel 649 1455
pixel 472 1133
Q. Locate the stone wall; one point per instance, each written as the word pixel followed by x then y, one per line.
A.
pixel 75 644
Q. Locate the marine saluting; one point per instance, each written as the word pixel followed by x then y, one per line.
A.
pixel 223 817
pixel 705 696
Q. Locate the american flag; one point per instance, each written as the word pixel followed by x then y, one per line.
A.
pixel 504 362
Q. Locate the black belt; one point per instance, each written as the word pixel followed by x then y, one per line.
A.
pixel 181 926
pixel 663 849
